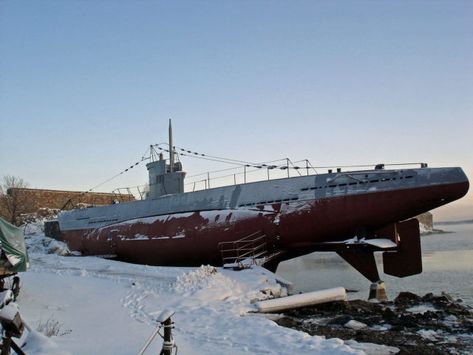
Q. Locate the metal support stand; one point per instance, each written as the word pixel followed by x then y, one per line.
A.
pixel 6 345
pixel 168 344
pixel 378 291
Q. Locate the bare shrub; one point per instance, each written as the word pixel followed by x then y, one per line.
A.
pixel 52 327
pixel 13 202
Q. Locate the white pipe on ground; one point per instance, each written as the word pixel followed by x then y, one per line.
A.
pixel 302 300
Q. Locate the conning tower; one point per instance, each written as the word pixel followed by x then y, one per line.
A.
pixel 165 179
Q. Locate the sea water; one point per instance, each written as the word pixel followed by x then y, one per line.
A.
pixel 447 267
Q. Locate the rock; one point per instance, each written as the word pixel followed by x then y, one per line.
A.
pixel 388 314
pixel 355 325
pixel 407 298
pixel 428 334
pixel 443 327
pixel 341 320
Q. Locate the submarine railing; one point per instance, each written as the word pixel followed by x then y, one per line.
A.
pixel 245 172
pixel 125 194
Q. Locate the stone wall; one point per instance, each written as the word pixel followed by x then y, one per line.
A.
pixel 57 198
pixel 32 200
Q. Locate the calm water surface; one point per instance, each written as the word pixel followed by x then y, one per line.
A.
pixel 447 262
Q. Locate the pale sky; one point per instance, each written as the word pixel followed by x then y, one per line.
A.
pixel 86 86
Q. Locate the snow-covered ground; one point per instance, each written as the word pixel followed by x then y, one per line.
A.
pixel 97 306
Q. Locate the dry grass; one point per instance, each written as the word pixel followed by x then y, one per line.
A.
pixel 52 327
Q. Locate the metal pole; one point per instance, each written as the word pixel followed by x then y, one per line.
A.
pixel 287 162
pixel 171 149
pixel 6 343
pixel 268 172
pixel 139 192
pixel 208 178
pixel 234 179
pixel 244 173
pixel 307 166
pixel 168 343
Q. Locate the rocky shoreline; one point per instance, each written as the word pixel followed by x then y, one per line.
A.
pixel 413 324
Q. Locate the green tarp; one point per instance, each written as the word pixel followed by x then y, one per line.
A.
pixel 13 249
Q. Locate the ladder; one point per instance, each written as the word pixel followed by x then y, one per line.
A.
pixel 245 252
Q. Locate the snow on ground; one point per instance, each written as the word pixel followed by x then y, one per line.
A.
pixel 101 306
pixel 38 243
